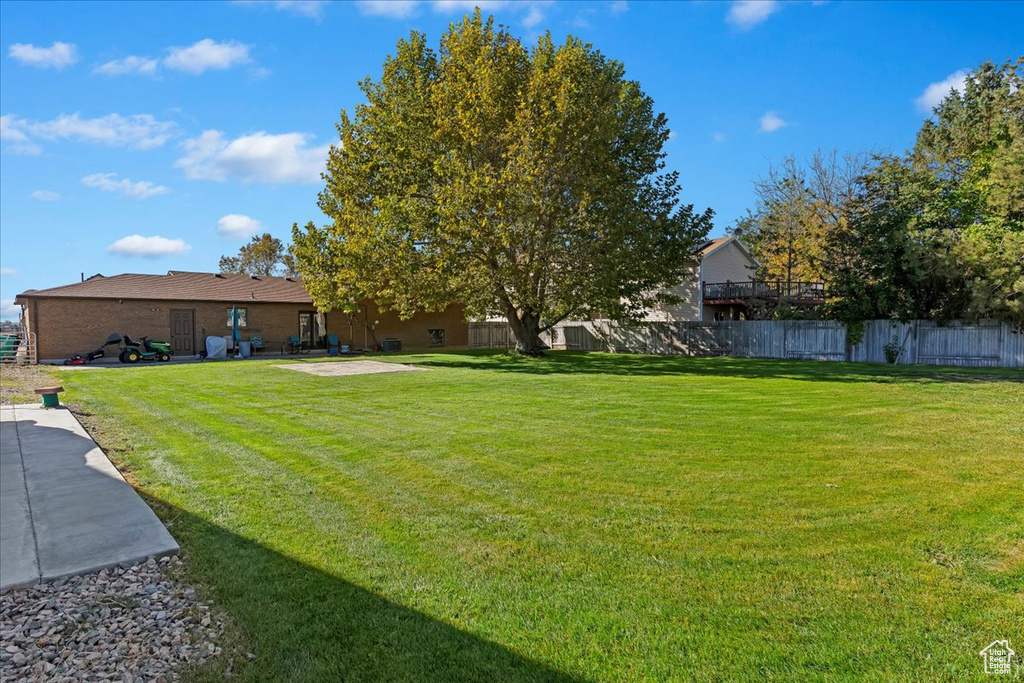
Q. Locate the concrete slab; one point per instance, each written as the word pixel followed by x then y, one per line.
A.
pixel 18 558
pixel 347 367
pixel 83 515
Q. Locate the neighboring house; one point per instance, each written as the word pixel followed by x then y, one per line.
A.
pixel 184 308
pixel 722 260
pixel 723 286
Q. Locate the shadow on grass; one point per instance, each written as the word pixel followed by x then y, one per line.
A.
pixel 305 625
pixel 630 365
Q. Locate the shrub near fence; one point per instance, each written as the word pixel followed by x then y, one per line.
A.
pixel 916 342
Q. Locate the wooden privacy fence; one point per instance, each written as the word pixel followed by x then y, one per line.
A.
pixel 490 335
pixel 921 341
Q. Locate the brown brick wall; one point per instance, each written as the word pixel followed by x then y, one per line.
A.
pixel 64 327
pixel 413 332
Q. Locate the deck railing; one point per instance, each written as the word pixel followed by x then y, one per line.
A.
pixel 771 290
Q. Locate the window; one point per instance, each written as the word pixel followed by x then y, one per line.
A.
pixel 719 316
pixel 436 337
pixel 242 317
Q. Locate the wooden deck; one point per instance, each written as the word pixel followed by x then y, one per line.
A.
pixel 737 293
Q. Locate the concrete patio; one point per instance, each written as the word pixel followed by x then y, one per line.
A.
pixel 64 508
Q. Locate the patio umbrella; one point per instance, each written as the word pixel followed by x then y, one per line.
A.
pixel 235 336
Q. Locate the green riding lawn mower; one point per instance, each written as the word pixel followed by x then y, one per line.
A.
pixel 145 349
pixel 129 350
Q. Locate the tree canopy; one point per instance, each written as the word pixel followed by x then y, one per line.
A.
pixel 264 255
pixel 935 233
pixel 798 206
pixel 938 232
pixel 528 183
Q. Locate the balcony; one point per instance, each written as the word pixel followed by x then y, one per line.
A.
pixel 735 293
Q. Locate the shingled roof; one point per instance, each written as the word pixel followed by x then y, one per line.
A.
pixel 711 245
pixel 180 285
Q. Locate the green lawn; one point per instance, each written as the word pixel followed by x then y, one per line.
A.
pixel 587 517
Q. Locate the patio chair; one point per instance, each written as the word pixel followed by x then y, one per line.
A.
pixel 257 344
pixel 296 345
pixel 333 345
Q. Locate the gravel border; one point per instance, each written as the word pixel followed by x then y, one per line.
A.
pixel 127 624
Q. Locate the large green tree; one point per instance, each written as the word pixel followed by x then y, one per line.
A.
pixel 528 183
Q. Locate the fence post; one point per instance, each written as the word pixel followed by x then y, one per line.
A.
pixel 917 342
pixel 1000 344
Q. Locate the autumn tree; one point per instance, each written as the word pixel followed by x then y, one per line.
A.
pixel 798 205
pixel 528 183
pixel 264 255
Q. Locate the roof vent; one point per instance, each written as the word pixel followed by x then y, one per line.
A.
pixel 220 275
pixel 290 279
pixel 255 277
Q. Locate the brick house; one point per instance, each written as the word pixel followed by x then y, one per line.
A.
pixel 184 308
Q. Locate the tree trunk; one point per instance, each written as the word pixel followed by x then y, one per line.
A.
pixel 526 327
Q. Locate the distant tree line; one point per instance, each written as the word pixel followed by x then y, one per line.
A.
pixel 934 233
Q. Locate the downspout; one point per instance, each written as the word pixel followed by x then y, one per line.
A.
pixel 700 289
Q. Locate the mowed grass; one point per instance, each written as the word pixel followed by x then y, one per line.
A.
pixel 587 516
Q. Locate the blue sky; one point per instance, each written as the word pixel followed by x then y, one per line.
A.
pixel 198 123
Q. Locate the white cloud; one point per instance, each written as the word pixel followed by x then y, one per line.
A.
pixel 936 92
pixel 403 9
pixel 583 17
pixel 9 272
pixel 237 226
pixel 139 131
pixel 533 17
pixel 45 196
pixel 396 9
pixel 314 9
pixel 746 14
pixel 772 122
pixel 128 65
pixel 148 247
pixel 9 311
pixel 719 137
pixel 257 158
pixel 16 139
pixel 108 182
pixel 57 56
pixel 619 6
pixel 206 55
